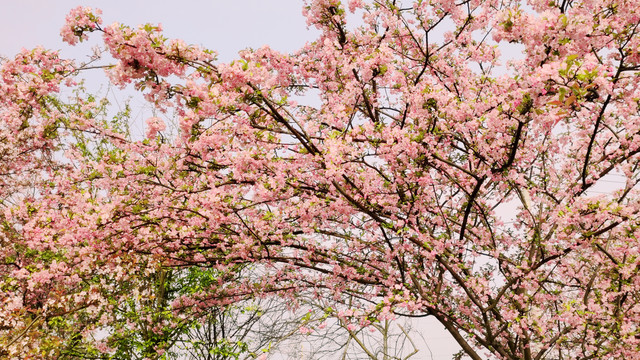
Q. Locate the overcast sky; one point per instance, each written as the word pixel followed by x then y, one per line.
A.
pixel 225 26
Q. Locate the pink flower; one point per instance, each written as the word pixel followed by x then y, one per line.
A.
pixel 78 21
pixel 154 125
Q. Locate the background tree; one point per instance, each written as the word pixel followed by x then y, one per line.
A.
pixel 36 129
pixel 332 335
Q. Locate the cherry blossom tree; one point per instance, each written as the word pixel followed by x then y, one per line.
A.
pixel 36 128
pixel 376 163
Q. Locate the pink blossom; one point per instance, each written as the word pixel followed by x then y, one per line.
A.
pixel 154 125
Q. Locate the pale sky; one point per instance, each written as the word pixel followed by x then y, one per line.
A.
pixel 225 26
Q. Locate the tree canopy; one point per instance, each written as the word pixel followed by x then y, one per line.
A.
pixel 373 169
